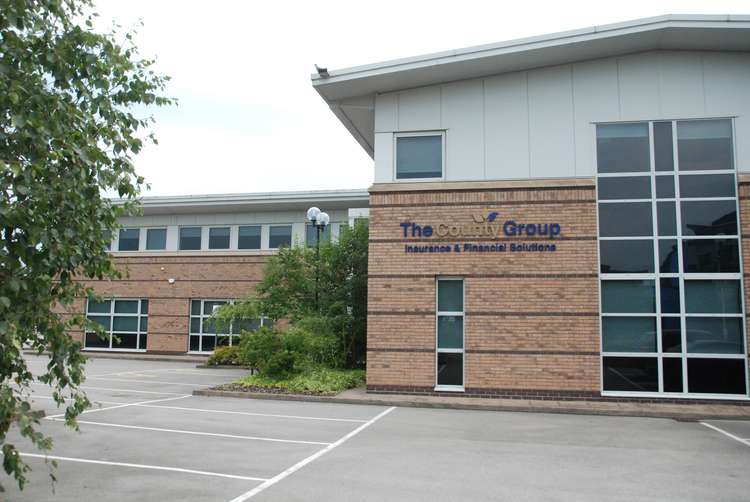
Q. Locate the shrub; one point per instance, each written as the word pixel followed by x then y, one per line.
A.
pixel 225 355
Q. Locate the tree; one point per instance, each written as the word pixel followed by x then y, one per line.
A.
pixel 287 290
pixel 67 136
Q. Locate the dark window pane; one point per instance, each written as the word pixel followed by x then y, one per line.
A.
pixel 195 307
pixel 628 334
pixel 195 324
pixel 209 342
pixel 671 334
pixel 622 148
pixel 144 324
pixel 663 149
pixel 249 237
pixel 636 374
pixel 129 238
pixel 672 374
pixel 144 306
pixel 222 341
pixel 628 297
pixel 626 219
pixel 156 238
pixel 664 187
pixel 419 157
pixel 94 342
pixel 210 306
pixel 280 236
pixel 195 343
pixel 629 187
pixel 190 238
pixel 209 326
pixel 125 323
pixel 450 332
pixel 711 255
pixel 704 145
pixel 126 306
pixel 712 297
pixel 124 341
pixel 714 335
pixel 218 238
pixel 709 217
pixel 450 296
pixel 268 323
pixel 707 185
pixel 101 320
pixel 450 369
pixel 143 343
pixel 716 376
pixel 670 295
pixel 626 256
pixel 102 307
pixel 242 325
pixel 311 234
pixel 668 256
pixel 666 218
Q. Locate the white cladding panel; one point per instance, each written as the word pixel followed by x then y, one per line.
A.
pixel 539 123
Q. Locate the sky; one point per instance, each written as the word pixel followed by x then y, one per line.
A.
pixel 248 119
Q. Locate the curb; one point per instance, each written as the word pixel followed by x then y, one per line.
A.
pixel 221 367
pixel 684 417
pixel 130 356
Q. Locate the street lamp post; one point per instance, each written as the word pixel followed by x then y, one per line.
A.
pixel 320 221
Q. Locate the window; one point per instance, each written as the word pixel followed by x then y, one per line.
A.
pixel 672 305
pixel 129 239
pixel 249 237
pixel 419 156
pixel 450 335
pixel 311 235
pixel 279 236
pixel 218 238
pixel 205 334
pixel 190 238
pixel 107 238
pixel 125 323
pixel 156 239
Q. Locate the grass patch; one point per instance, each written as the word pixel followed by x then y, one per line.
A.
pixel 321 380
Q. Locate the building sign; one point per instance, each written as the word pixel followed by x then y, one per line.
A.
pixel 481 227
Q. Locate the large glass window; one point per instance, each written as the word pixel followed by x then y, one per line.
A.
pixel 249 237
pixel 450 334
pixel 279 236
pixel 206 334
pixel 218 238
pixel 672 306
pixel 419 156
pixel 129 239
pixel 156 239
pixel 190 238
pixel 124 321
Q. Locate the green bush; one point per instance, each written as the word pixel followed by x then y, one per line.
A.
pixel 319 380
pixel 282 354
pixel 225 355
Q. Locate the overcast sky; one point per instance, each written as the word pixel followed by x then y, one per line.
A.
pixel 248 119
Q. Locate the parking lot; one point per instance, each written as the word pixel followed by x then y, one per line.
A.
pixel 148 438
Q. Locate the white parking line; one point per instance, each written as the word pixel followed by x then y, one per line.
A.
pixel 251 414
pixel 95 401
pixel 727 434
pixel 299 465
pixel 151 381
pixel 127 372
pixel 94 410
pixel 142 466
pixel 194 433
pixel 110 389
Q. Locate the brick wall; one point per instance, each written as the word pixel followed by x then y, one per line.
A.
pixel 532 323
pixel 195 277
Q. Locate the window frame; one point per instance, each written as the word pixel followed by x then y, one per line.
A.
pixel 202 316
pixel 291 234
pixel 179 237
pixel 462 350
pixel 119 240
pixel 111 331
pixel 683 355
pixel 412 134
pixel 166 237
pixel 208 242
pixel 259 226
